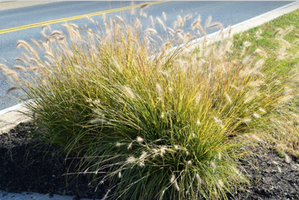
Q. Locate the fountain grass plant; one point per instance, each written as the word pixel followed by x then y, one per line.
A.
pixel 151 122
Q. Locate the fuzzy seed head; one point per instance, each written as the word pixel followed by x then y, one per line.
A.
pixel 24 44
pixel 178 31
pixel 89 19
pixel 198 178
pixel 151 30
pixel 19 67
pixel 164 15
pixel 172 178
pixel 256 83
pixel 208 21
pixel 256 115
pixel 141 163
pixel 288 30
pixel 145 5
pixel 159 89
pixel 139 139
pixel 155 152
pixel 97 121
pixel 137 23
pixel 161 23
pixel 218 121
pixel 247 44
pixel 220 183
pixel 174 182
pixel 21 60
pixel 213 165
pixel 162 151
pixel 129 92
pixel 188 17
pixel 176 185
pixel 46 26
pixel 215 25
pixel 104 17
pixel 250 96
pixel 180 21
pixel 56 33
pixel 246 120
pixel 296 42
pixel 228 98
pixel 260 63
pixel 262 110
pixel 261 52
pixel 286 98
pixel 187 37
pixel 197 98
pixel 279 30
pixel 131 160
pixel 256 137
pixel 132 11
pixel 119 18
pixel 152 21
pixel 118 144
pixel 193 25
pixel 286 43
pixel 180 36
pixel 143 155
pixel 12 89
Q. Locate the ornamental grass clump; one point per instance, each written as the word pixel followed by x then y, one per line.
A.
pixel 150 122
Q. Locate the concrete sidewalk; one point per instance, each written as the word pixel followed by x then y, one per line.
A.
pixel 15 4
pixel 11 116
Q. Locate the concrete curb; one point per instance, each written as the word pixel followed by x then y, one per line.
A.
pixel 34 196
pixel 12 118
pixel 266 17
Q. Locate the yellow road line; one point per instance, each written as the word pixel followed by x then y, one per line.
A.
pixel 72 18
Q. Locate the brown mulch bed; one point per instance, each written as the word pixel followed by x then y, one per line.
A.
pixel 25 166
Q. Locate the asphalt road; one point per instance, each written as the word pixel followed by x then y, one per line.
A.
pixel 12 21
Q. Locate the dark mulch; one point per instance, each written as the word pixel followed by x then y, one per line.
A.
pixel 272 177
pixel 25 166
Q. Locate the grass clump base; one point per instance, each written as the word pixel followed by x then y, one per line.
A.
pixel 149 120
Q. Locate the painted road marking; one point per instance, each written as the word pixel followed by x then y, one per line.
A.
pixel 18 28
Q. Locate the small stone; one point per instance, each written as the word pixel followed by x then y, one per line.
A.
pixel 295 167
pixel 287 158
pixel 274 162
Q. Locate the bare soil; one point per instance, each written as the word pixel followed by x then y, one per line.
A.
pixel 272 176
pixel 27 165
